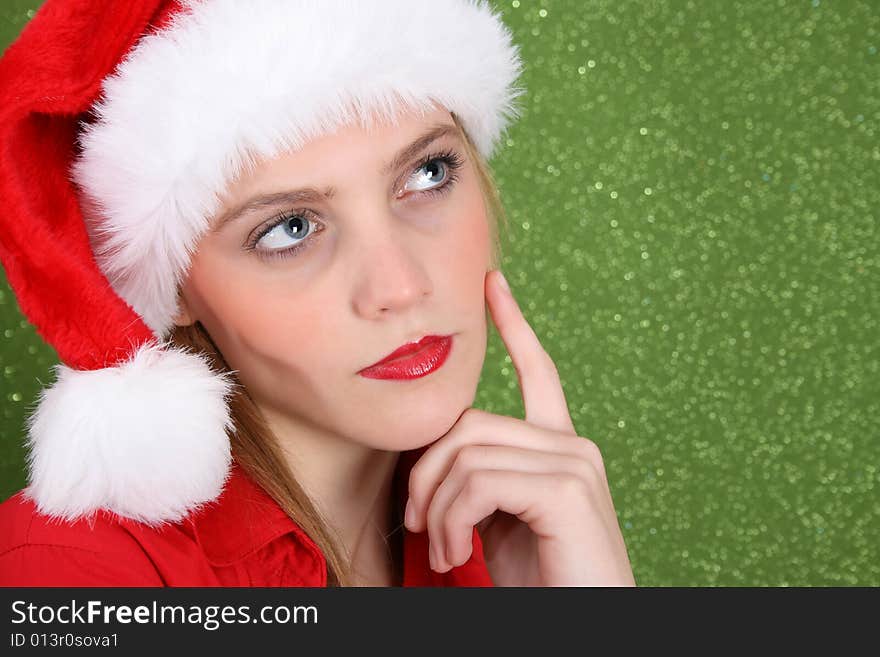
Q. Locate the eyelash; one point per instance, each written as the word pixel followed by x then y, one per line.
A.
pixel 450 159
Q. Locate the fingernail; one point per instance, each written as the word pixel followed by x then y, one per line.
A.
pixel 503 281
pixel 409 516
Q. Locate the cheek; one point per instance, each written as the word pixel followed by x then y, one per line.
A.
pixel 251 315
pixel 467 254
pixel 280 341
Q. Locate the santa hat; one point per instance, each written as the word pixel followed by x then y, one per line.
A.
pixel 120 125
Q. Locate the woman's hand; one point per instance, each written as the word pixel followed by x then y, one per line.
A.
pixel 536 491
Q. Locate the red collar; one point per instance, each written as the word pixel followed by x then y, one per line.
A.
pixel 258 519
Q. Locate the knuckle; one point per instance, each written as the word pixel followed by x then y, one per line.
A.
pixel 574 486
pixel 549 363
pixel 590 449
pixel 540 361
pixel 474 485
pixel 470 417
pixel 534 365
pixel 469 457
pixel 587 474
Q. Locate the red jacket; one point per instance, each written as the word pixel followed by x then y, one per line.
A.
pixel 243 538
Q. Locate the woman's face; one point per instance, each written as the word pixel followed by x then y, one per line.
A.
pixel 392 256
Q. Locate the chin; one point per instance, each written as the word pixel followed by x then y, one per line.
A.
pixel 424 410
pixel 420 424
pixel 420 427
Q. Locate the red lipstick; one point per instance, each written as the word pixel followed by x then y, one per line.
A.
pixel 412 360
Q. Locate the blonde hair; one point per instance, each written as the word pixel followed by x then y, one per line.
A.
pixel 256 448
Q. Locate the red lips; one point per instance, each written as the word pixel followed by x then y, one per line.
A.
pixel 412 360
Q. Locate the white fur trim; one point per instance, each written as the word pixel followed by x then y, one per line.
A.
pixel 146 439
pixel 228 83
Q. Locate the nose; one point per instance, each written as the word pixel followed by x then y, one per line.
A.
pixel 392 276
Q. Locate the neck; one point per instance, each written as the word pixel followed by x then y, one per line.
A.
pixel 351 484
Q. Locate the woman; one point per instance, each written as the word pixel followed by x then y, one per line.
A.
pixel 280 198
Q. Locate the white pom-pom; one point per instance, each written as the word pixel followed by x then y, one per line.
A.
pixel 146 439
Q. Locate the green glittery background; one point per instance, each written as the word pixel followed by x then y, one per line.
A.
pixel 693 190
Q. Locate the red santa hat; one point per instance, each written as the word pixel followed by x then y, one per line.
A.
pixel 120 125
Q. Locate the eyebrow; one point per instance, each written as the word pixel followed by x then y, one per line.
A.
pixel 314 195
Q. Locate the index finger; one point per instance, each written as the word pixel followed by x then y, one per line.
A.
pixel 543 397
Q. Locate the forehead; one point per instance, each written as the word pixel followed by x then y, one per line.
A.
pixel 383 145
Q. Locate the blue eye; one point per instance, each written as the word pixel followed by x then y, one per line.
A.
pixel 297 224
pixel 450 164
